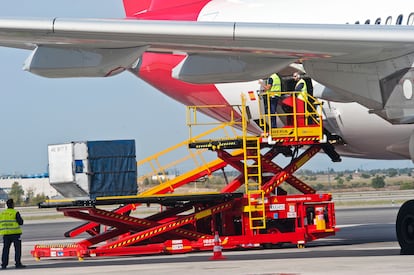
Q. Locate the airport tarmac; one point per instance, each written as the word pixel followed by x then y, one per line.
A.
pixel 366 244
pixel 372 258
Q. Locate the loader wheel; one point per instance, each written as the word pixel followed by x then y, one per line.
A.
pixel 405 228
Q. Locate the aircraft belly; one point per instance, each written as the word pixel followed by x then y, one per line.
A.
pixel 369 136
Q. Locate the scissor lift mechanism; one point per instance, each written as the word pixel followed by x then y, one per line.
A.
pixel 262 215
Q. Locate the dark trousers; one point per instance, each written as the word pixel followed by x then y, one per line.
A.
pixel 17 242
pixel 273 106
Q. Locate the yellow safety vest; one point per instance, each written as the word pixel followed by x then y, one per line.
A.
pixel 8 222
pixel 303 93
pixel 276 88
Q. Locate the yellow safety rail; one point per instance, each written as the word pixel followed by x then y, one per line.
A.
pixel 300 120
pixel 194 119
pixel 157 166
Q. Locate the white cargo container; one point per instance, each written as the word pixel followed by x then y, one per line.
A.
pixel 69 169
pixel 93 168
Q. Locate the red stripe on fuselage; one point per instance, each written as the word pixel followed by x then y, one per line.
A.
pixel 165 9
pixel 155 69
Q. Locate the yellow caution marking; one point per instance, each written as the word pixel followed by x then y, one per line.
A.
pixel 302 161
pixel 203 214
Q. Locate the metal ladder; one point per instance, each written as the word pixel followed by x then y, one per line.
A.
pixel 253 175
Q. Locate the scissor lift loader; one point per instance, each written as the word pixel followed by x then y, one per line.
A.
pixel 260 215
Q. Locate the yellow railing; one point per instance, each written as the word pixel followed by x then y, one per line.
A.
pixel 228 113
pixel 159 166
pixel 296 118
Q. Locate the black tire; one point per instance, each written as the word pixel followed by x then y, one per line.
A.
pixel 405 228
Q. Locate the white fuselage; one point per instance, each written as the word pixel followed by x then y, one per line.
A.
pixel 366 135
pixel 301 11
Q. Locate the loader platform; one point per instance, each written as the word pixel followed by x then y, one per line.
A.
pixel 254 209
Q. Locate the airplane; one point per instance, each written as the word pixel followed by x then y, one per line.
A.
pixel 359 56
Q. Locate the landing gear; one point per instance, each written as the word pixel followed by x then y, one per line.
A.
pixel 405 228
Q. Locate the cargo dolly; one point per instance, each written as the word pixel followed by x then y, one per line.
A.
pixel 262 215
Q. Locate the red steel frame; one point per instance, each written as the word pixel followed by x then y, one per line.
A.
pixel 295 219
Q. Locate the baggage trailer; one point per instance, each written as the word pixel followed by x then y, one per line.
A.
pixel 262 216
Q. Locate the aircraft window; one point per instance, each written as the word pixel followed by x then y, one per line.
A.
pixel 399 19
pixel 388 21
pixel 378 21
pixel 367 22
pixel 410 20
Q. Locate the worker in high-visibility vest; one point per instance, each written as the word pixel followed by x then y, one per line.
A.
pixel 273 89
pixel 10 221
pixel 300 87
pixel 302 96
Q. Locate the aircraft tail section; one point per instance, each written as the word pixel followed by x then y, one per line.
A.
pixel 164 9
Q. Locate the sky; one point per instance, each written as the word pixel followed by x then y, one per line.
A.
pixel 37 111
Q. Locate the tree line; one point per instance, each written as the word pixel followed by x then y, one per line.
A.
pixel 22 198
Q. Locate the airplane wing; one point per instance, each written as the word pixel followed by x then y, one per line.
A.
pixel 341 43
pixel 369 63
